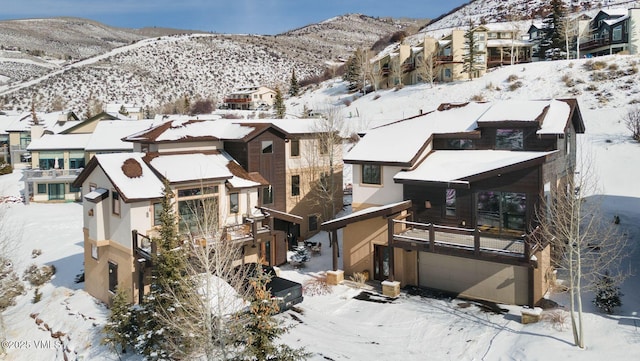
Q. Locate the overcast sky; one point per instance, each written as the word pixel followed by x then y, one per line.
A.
pixel 222 16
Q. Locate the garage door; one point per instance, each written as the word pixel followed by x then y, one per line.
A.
pixel 474 278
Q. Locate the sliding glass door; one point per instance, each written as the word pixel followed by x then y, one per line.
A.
pixel 502 213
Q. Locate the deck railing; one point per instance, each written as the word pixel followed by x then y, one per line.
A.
pixel 430 237
pixel 40 174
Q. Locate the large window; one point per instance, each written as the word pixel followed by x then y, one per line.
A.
pixel 371 174
pixel 617 33
pixel 450 203
pixel 189 192
pixel 197 215
pixel 313 222
pixel 267 195
pixel 295 185
pixel 502 212
pixel 234 204
pixel 51 160
pixel 509 139
pixel 295 147
pixel 157 213
pixel 76 160
pixel 460 143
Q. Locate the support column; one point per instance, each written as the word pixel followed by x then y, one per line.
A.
pixel 334 241
pixel 391 253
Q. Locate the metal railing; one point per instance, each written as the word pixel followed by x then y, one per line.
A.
pixel 434 236
pixel 42 174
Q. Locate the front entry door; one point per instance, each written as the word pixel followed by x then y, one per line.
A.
pixel 56 191
pixel 380 262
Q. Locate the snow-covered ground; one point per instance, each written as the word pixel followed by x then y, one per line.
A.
pixel 338 327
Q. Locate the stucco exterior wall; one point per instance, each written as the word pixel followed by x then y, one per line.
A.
pixel 367 194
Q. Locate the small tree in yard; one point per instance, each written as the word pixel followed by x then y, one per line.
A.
pixel 607 295
pixel 262 329
pixel 585 245
pixel 121 329
pixel 632 121
pixel 278 104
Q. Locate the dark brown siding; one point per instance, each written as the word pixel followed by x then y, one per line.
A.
pixel 522 181
pixel 238 151
pixel 271 166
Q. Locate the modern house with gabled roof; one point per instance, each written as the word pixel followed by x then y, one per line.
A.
pixel 240 168
pixel 447 199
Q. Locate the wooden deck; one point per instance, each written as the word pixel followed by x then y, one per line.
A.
pixel 436 238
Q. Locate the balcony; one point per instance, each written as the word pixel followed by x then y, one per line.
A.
pixel 508 247
pixel 60 175
pixel 237 100
pixel 596 43
pixel 444 58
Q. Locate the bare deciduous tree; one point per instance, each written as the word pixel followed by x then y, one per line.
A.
pixel 632 122
pixel 585 244
pixel 426 64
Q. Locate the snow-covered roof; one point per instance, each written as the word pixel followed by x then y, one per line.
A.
pixel 401 141
pixel 289 125
pixel 616 20
pixel 96 195
pixel 615 11
pixel 456 166
pixel 554 121
pixel 191 130
pixel 109 133
pixel 49 121
pixel 505 27
pixel 192 166
pixel 366 213
pixel 116 107
pixel 143 184
pixel 60 142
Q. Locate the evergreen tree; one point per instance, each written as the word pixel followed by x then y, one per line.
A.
pixel 353 71
pixel 167 283
pixel 607 295
pixel 294 87
pixel 278 104
pixel 553 28
pixel 121 328
pixel 262 329
pixel 472 60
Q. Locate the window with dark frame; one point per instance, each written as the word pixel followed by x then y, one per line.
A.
pixel 295 185
pixel 42 188
pixel 113 276
pixel 267 146
pixel 313 222
pixel 234 204
pixel 295 147
pixel 267 195
pixel 510 139
pixel 157 213
pixel 450 203
pixel 371 174
pixel 115 202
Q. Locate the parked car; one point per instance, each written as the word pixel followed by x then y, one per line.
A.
pixel 287 292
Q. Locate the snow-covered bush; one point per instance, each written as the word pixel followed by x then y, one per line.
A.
pixel 38 276
pixel 301 255
pixel 10 284
pixel 607 295
pixel 317 285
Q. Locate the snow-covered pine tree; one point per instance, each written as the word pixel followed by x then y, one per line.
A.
pixel 262 329
pixel 120 330
pixel 301 255
pixel 607 295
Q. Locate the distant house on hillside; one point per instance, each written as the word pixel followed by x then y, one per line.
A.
pixel 612 31
pixel 250 98
pixel 125 110
pixel 496 44
pixel 447 199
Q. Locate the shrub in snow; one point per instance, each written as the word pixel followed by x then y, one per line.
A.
pixel 301 255
pixel 512 78
pixel 557 318
pixel 37 296
pixel 359 278
pixel 5 169
pixel 38 276
pixel 607 295
pixel 516 85
pixel 317 285
pixel 10 284
pixel 36 252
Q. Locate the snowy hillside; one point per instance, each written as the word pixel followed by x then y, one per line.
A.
pixel 155 72
pixel 491 11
